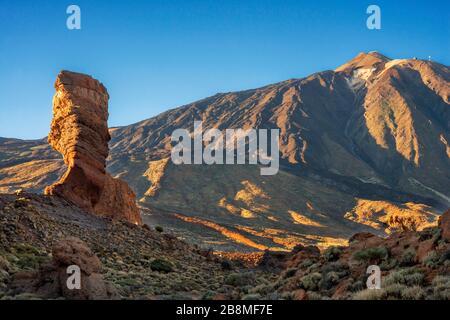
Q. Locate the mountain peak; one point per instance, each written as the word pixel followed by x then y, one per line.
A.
pixel 364 60
pixel 377 55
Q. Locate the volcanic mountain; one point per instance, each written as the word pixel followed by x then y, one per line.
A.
pixel 362 148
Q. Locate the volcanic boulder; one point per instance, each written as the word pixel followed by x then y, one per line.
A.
pixel 73 251
pixel 79 131
pixel 51 280
pixel 444 224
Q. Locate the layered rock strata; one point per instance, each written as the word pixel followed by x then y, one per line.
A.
pixel 79 131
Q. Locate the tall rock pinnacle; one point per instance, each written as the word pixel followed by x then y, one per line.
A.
pixel 79 131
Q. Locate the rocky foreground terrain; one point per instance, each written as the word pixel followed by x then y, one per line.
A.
pixel 363 181
pixel 41 235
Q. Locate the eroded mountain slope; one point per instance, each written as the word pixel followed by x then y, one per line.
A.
pixel 361 147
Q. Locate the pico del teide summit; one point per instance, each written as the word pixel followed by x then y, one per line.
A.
pixel 79 131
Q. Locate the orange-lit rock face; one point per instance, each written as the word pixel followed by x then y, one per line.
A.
pixel 79 131
pixel 444 224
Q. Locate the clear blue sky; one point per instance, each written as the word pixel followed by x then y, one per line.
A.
pixel 158 54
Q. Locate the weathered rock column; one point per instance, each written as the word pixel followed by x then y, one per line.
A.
pixel 79 131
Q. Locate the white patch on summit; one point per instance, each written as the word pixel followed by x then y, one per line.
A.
pixel 359 78
pixel 394 62
pixel 363 73
pixel 391 64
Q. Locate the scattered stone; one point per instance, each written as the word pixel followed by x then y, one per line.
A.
pixel 444 224
pixel 50 280
pixel 299 294
pixel 273 260
pixel 73 251
pixel 424 248
pixel 161 265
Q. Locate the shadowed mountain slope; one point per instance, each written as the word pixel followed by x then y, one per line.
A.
pixel 363 147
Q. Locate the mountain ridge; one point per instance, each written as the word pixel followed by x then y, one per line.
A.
pixel 360 146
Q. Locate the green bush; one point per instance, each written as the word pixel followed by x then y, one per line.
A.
pixel 441 288
pixel 289 273
pixel 370 294
pixel 251 297
pixel 407 276
pixel 413 293
pixel 127 282
pixel 313 268
pixel 332 253
pixel 335 266
pixel 306 263
pixel 431 260
pixel 4 276
pixel 356 286
pixel 4 263
pixel 329 280
pixel 445 257
pixel 226 265
pixel 314 296
pixel 388 264
pixel 31 262
pixel 209 295
pixel 394 291
pixel 311 281
pixel 408 258
pixel 159 229
pixel 26 248
pixel 29 257
pixel 371 254
pixel 436 235
pixel 240 279
pixel 263 289
pixel 161 265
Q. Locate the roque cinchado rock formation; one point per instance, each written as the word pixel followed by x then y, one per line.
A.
pixel 79 131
